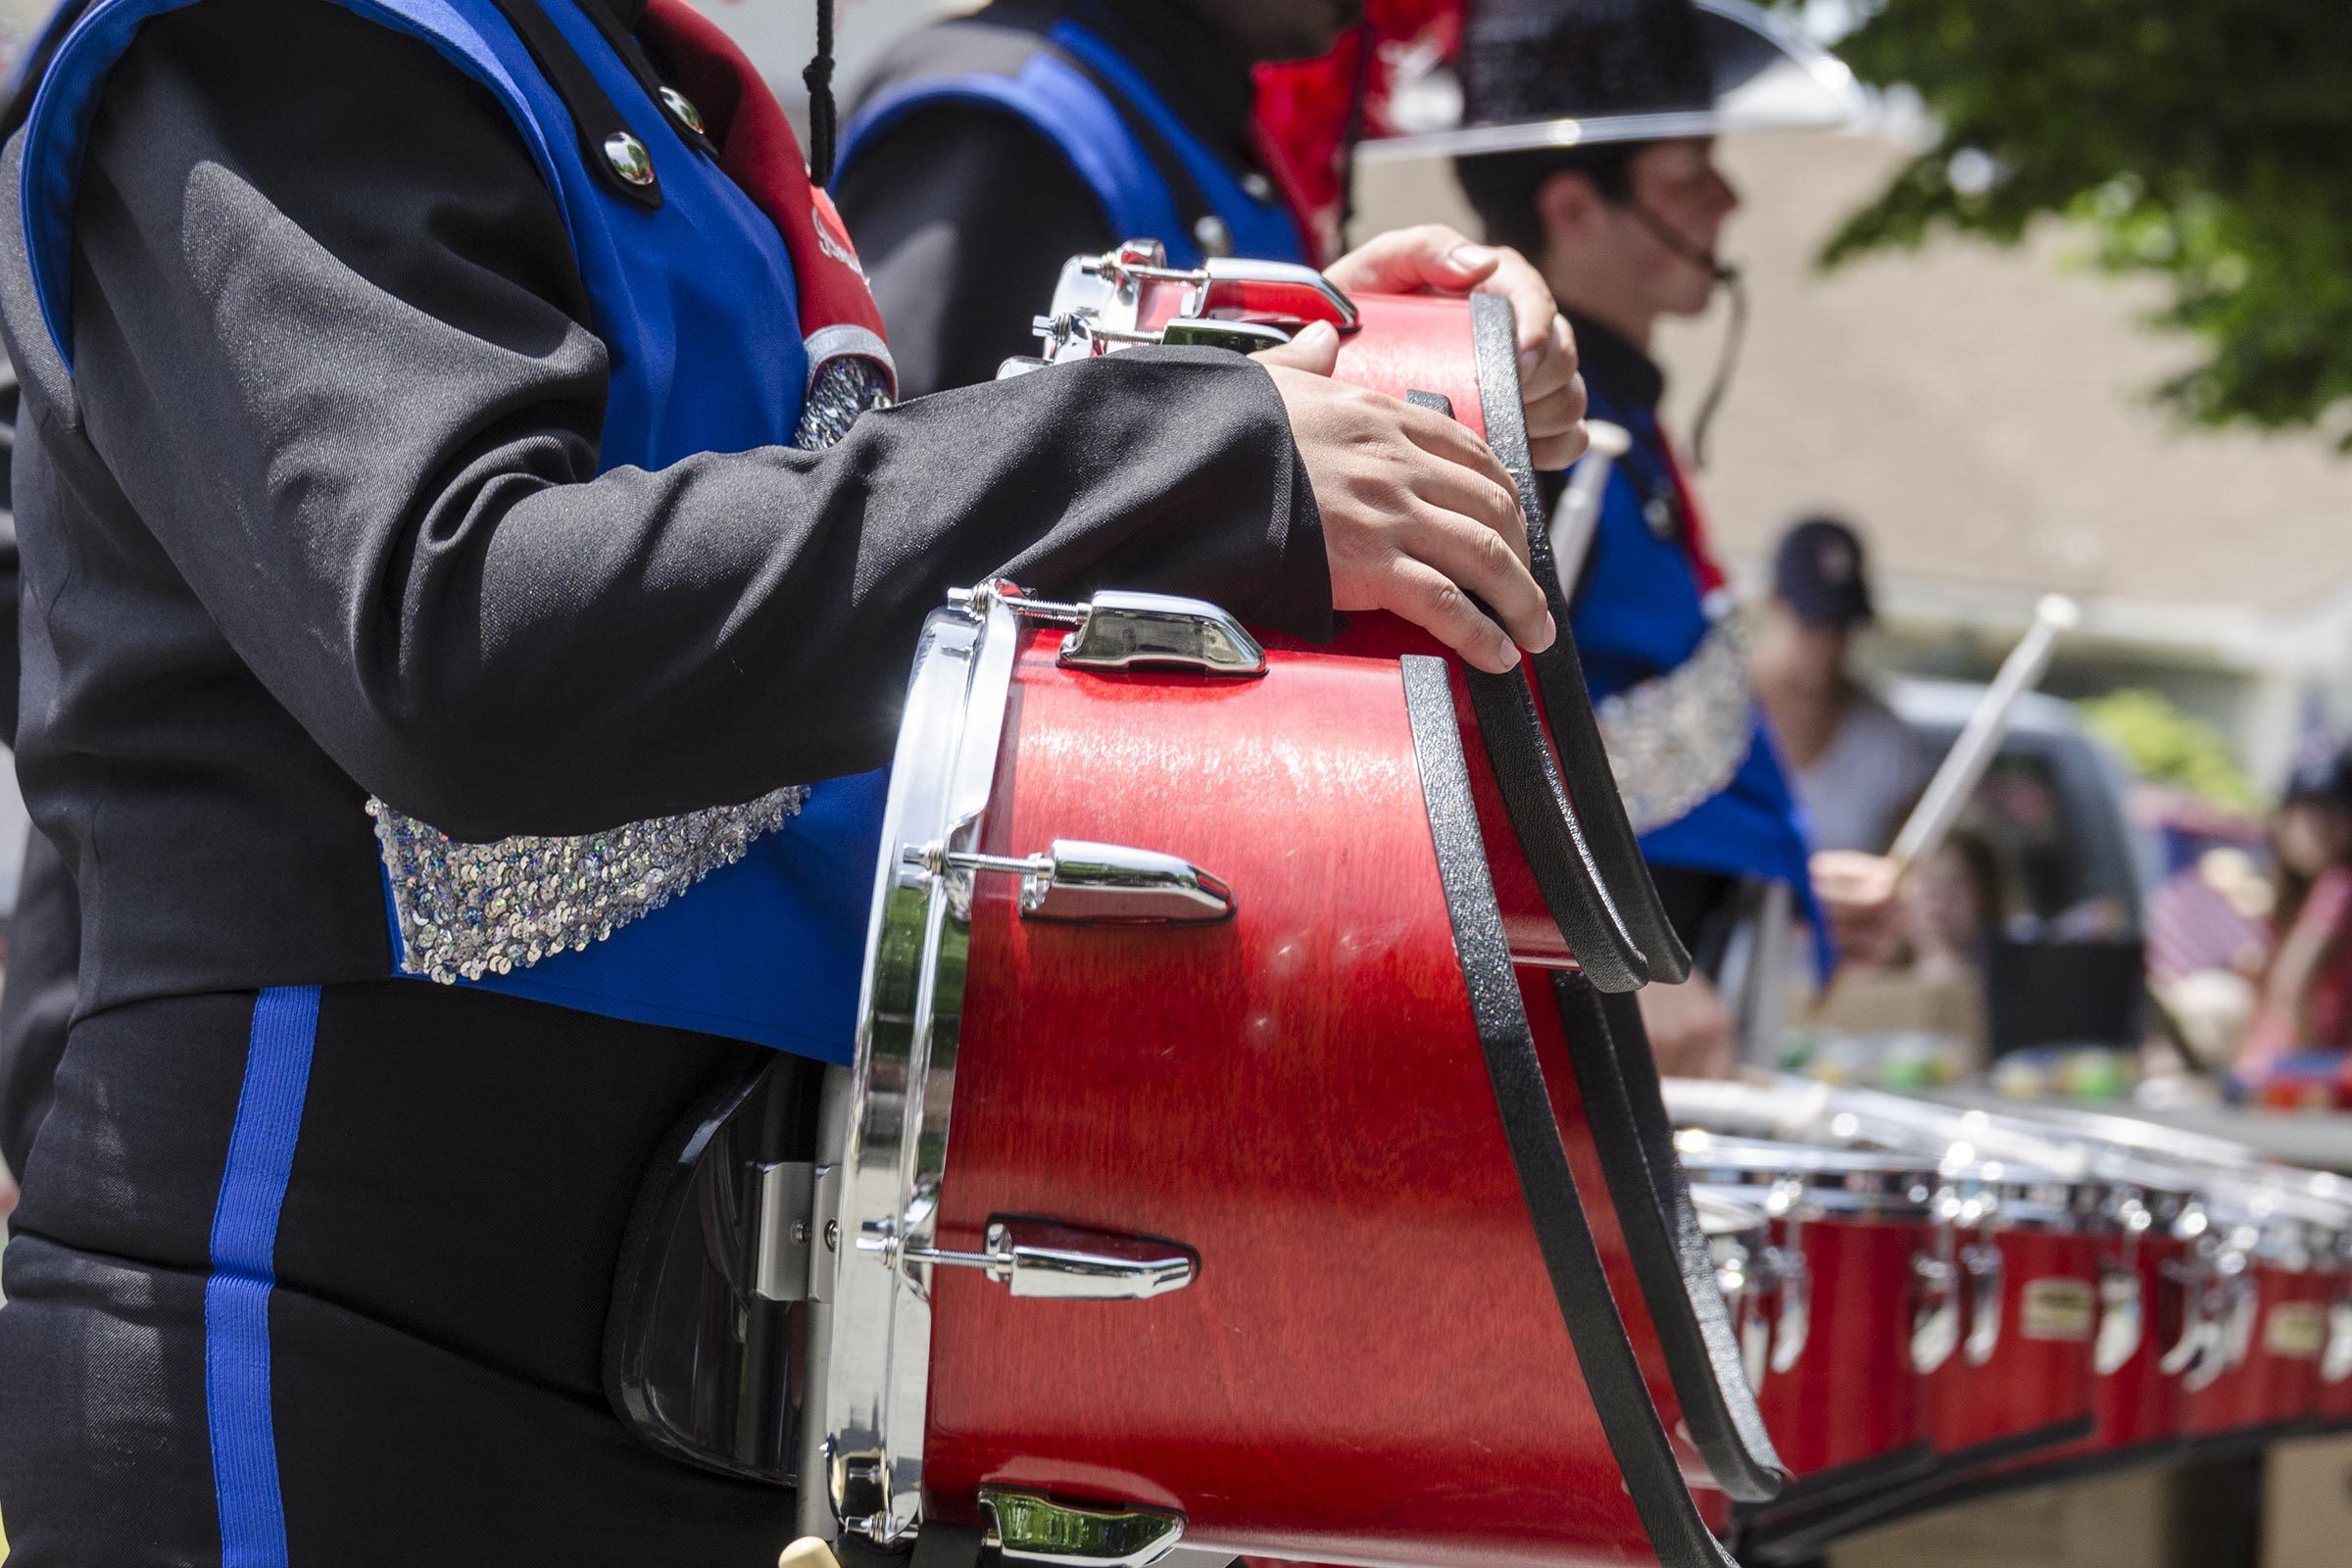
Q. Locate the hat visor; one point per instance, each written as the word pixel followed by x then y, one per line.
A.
pixel 1766 76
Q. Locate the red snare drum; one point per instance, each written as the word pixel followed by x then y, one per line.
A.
pixel 1191 1252
pixel 1567 870
pixel 2028 1273
pixel 1849 1313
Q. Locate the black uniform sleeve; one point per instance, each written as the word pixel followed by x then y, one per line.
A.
pixel 964 217
pixel 331 340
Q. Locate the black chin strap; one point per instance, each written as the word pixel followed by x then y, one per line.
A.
pixel 1733 337
pixel 818 78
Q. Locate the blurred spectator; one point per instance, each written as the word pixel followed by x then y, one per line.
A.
pixel 2306 994
pixel 1856 766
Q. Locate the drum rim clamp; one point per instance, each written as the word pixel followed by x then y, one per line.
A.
pixel 875 1277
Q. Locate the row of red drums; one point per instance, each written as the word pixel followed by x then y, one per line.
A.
pixel 1935 1300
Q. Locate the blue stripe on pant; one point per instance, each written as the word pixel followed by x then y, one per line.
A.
pixel 236 1296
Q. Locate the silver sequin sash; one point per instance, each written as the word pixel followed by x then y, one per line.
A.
pixel 1675 740
pixel 465 911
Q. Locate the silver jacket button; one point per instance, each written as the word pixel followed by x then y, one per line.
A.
pixel 630 159
pixel 1257 187
pixel 681 109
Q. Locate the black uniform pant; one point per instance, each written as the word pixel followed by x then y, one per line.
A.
pixel 318 1278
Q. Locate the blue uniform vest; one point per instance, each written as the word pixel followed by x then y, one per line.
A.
pixel 1638 614
pixel 1063 103
pixel 695 301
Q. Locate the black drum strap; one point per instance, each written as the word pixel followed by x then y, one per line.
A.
pixel 1617 1080
pixel 1604 832
pixel 1613 1377
pixel 1541 814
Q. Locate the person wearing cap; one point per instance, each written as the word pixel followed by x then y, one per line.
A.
pixel 986 151
pixel 1858 768
pixel 472 563
pixel 1586 140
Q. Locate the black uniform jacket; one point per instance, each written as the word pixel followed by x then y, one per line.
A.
pixel 267 572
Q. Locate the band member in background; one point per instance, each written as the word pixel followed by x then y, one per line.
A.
pixel 1857 767
pixel 987 151
pixel 1626 231
pixel 470 577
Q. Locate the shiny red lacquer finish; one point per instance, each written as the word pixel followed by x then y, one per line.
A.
pixel 2292 1337
pixel 2139 1401
pixel 1424 343
pixel 2040 1373
pixel 1371 1365
pixel 1853 1396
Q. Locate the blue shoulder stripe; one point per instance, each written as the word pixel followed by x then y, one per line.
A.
pixel 56 135
pixel 1058 101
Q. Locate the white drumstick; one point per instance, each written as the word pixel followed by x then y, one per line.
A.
pixel 1964 765
pixel 1579 512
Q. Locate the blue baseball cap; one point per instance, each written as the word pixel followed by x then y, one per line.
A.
pixel 1819 572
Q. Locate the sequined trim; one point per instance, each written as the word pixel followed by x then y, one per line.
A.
pixel 470 909
pixel 465 911
pixel 846 386
pixel 1676 740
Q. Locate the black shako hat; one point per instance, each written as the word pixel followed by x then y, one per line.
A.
pixel 1555 74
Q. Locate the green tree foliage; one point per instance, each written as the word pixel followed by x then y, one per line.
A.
pixel 2166 745
pixel 2206 141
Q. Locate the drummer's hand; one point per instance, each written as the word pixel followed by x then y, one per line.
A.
pixel 1431 256
pixel 1862 896
pixel 1417 515
pixel 1690 1031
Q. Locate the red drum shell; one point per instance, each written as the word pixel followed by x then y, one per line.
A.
pixel 2289 1339
pixel 2334 1399
pixel 2032 1382
pixel 1424 343
pixel 1371 1365
pixel 2139 1401
pixel 1853 1396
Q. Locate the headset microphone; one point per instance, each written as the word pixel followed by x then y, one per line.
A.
pixel 1726 274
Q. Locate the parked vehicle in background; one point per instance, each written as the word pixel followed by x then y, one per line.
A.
pixel 2064 964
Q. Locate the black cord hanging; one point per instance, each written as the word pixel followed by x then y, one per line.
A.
pixel 818 78
pixel 1725 362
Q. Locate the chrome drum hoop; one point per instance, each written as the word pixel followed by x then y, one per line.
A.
pixel 902 1083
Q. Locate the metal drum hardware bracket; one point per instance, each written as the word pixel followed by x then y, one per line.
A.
pixel 1088 883
pixel 1045 1259
pixel 1120 630
pixel 1023 1526
pixel 797 1235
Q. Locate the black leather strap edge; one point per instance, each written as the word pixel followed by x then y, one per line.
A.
pixel 1511 729
pixel 1801 1536
pixel 1609 1054
pixel 1612 1376
pixel 1840 1482
pixel 1550 834
pixel 1559 674
pixel 2062 1472
pixel 593 116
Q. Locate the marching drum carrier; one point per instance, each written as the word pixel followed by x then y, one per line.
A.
pixel 1250 1142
